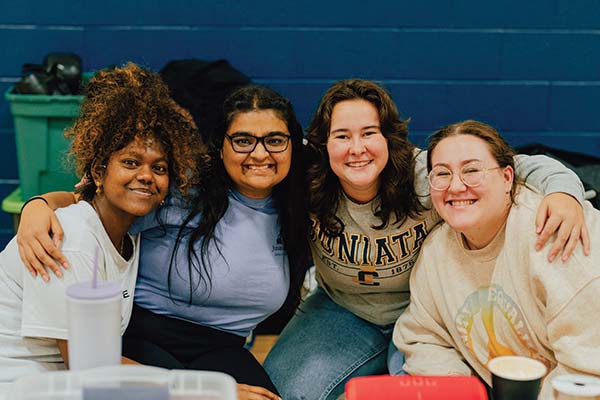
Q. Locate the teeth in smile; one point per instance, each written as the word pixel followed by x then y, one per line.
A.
pixel 462 202
pixel 142 191
pixel 357 164
pixel 258 167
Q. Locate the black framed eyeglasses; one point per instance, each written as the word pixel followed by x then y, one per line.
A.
pixel 472 175
pixel 274 142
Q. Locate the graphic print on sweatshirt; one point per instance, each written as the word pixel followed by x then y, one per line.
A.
pixel 368 260
pixel 491 324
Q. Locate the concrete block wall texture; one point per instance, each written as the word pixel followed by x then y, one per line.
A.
pixel 530 68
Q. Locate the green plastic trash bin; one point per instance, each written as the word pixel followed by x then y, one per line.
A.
pixel 12 204
pixel 40 122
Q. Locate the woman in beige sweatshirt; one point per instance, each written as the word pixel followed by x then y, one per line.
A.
pixel 479 289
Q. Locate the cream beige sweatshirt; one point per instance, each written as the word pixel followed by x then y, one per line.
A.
pixel 468 306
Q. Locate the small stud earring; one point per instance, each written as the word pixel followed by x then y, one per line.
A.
pixel 98 188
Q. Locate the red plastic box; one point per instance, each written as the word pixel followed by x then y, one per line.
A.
pixel 410 387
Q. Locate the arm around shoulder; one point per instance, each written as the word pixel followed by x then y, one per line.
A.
pixel 548 175
pixel 55 200
pixel 40 234
pixel 559 213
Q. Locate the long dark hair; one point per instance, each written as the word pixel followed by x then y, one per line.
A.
pixel 396 189
pixel 212 198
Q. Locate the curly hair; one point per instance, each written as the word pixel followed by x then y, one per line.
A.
pixel 127 103
pixel 396 190
pixel 499 148
pixel 288 195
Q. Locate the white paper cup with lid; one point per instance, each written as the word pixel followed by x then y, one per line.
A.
pixel 94 322
pixel 576 387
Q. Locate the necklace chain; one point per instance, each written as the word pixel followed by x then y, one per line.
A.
pixel 122 243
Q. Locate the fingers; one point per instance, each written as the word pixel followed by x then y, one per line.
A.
pixel 24 255
pixel 571 244
pixel 32 263
pixel 585 240
pixel 36 257
pixel 562 236
pixel 562 215
pixel 540 219
pixel 52 250
pixel 578 233
pixel 57 231
pixel 39 238
pixel 248 392
pixel 45 252
pixel 549 227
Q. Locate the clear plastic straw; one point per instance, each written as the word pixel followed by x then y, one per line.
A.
pixel 95 276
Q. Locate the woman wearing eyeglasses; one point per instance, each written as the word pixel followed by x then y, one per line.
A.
pixel 479 289
pixel 214 267
pixel 370 215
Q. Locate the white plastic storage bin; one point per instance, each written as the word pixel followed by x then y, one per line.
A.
pixel 131 382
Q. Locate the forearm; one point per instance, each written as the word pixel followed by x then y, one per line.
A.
pixel 548 175
pixel 60 199
pixel 426 346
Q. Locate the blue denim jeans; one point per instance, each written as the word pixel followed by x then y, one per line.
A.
pixel 323 346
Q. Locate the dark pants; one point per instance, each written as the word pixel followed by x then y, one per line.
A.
pixel 166 342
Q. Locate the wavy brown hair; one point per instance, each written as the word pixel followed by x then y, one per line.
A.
pixel 398 199
pixel 499 148
pixel 127 103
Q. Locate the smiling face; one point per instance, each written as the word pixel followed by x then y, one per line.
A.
pixel 477 212
pixel 255 174
pixel 134 181
pixel 357 149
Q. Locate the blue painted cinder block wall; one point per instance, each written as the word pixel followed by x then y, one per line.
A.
pixel 530 68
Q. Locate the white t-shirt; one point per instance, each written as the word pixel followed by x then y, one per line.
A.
pixel 33 313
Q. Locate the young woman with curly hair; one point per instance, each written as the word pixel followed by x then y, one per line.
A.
pixel 131 141
pixel 214 266
pixel 370 213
